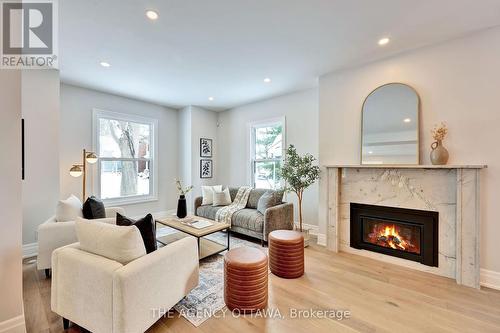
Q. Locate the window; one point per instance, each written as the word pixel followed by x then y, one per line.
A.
pixel 267 142
pixel 126 148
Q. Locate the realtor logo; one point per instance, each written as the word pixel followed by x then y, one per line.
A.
pixel 29 34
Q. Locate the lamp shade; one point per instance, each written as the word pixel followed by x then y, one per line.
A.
pixel 76 171
pixel 91 158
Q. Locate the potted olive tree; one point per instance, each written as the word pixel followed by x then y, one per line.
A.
pixel 299 173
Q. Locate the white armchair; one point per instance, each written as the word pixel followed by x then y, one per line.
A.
pixel 102 295
pixel 52 235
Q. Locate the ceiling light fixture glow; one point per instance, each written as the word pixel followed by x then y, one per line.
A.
pixel 383 41
pixel 105 64
pixel 407 120
pixel 267 80
pixel 152 15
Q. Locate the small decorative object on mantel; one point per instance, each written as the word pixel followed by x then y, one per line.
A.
pixel 299 173
pixel 439 154
pixel 181 204
pixel 205 147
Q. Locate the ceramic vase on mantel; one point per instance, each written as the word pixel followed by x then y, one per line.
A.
pixel 439 154
pixel 182 207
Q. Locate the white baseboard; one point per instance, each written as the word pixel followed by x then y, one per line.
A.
pixel 13 325
pixel 30 250
pixel 314 230
pixel 490 279
pixel 322 239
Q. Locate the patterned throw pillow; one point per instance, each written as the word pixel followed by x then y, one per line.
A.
pixel 267 200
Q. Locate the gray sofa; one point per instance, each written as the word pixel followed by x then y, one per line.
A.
pixel 249 221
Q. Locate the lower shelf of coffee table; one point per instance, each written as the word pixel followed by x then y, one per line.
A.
pixel 208 247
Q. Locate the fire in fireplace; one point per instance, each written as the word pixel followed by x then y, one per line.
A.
pixel 405 233
pixel 392 235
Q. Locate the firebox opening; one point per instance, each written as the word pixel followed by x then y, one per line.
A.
pixel 406 233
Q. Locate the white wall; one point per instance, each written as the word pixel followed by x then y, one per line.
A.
pixel 76 133
pixel 40 110
pixel 458 83
pixel 11 297
pixel 185 154
pixel 301 112
pixel 195 123
pixel 203 125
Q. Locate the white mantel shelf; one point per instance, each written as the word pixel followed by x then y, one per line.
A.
pixel 405 166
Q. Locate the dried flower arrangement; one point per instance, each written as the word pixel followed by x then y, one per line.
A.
pixel 182 190
pixel 439 132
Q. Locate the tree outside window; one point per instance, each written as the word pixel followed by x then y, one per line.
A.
pixel 267 151
pixel 126 156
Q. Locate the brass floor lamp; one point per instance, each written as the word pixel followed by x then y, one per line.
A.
pixel 81 169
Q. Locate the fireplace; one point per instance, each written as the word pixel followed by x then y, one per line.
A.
pixel 405 233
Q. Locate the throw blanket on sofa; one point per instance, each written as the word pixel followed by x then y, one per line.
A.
pixel 225 214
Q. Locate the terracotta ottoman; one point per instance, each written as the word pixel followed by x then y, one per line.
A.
pixel 286 253
pixel 245 279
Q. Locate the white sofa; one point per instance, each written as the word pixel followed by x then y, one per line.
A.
pixel 52 235
pixel 102 295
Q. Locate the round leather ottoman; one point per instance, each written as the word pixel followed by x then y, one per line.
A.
pixel 245 279
pixel 286 253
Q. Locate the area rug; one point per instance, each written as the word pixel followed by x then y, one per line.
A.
pixel 208 298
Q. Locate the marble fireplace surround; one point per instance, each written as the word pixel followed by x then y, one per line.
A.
pixel 451 190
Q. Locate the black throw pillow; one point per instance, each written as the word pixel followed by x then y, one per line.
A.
pixel 145 225
pixel 93 208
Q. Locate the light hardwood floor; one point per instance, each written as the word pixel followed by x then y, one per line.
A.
pixel 381 298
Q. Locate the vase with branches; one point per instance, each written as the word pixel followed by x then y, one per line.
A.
pixel 299 173
pixel 439 154
pixel 181 204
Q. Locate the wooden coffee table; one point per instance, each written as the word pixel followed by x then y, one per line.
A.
pixel 206 247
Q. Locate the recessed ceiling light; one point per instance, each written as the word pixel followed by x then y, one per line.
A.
pixel 370 152
pixel 105 64
pixel 383 41
pixel 267 80
pixel 407 120
pixel 152 15
pixel 211 98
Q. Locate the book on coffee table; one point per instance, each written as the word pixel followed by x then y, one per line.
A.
pixel 201 224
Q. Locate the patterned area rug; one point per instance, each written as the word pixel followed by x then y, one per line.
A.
pixel 208 298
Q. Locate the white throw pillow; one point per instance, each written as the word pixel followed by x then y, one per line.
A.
pixel 120 243
pixel 208 193
pixel 69 209
pixel 222 198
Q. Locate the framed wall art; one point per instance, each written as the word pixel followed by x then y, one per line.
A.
pixel 206 168
pixel 206 147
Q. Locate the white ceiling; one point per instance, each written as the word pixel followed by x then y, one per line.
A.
pixel 225 48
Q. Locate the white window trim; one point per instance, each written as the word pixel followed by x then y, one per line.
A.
pixel 251 146
pixel 153 196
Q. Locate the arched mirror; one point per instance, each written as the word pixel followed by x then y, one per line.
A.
pixel 390 124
